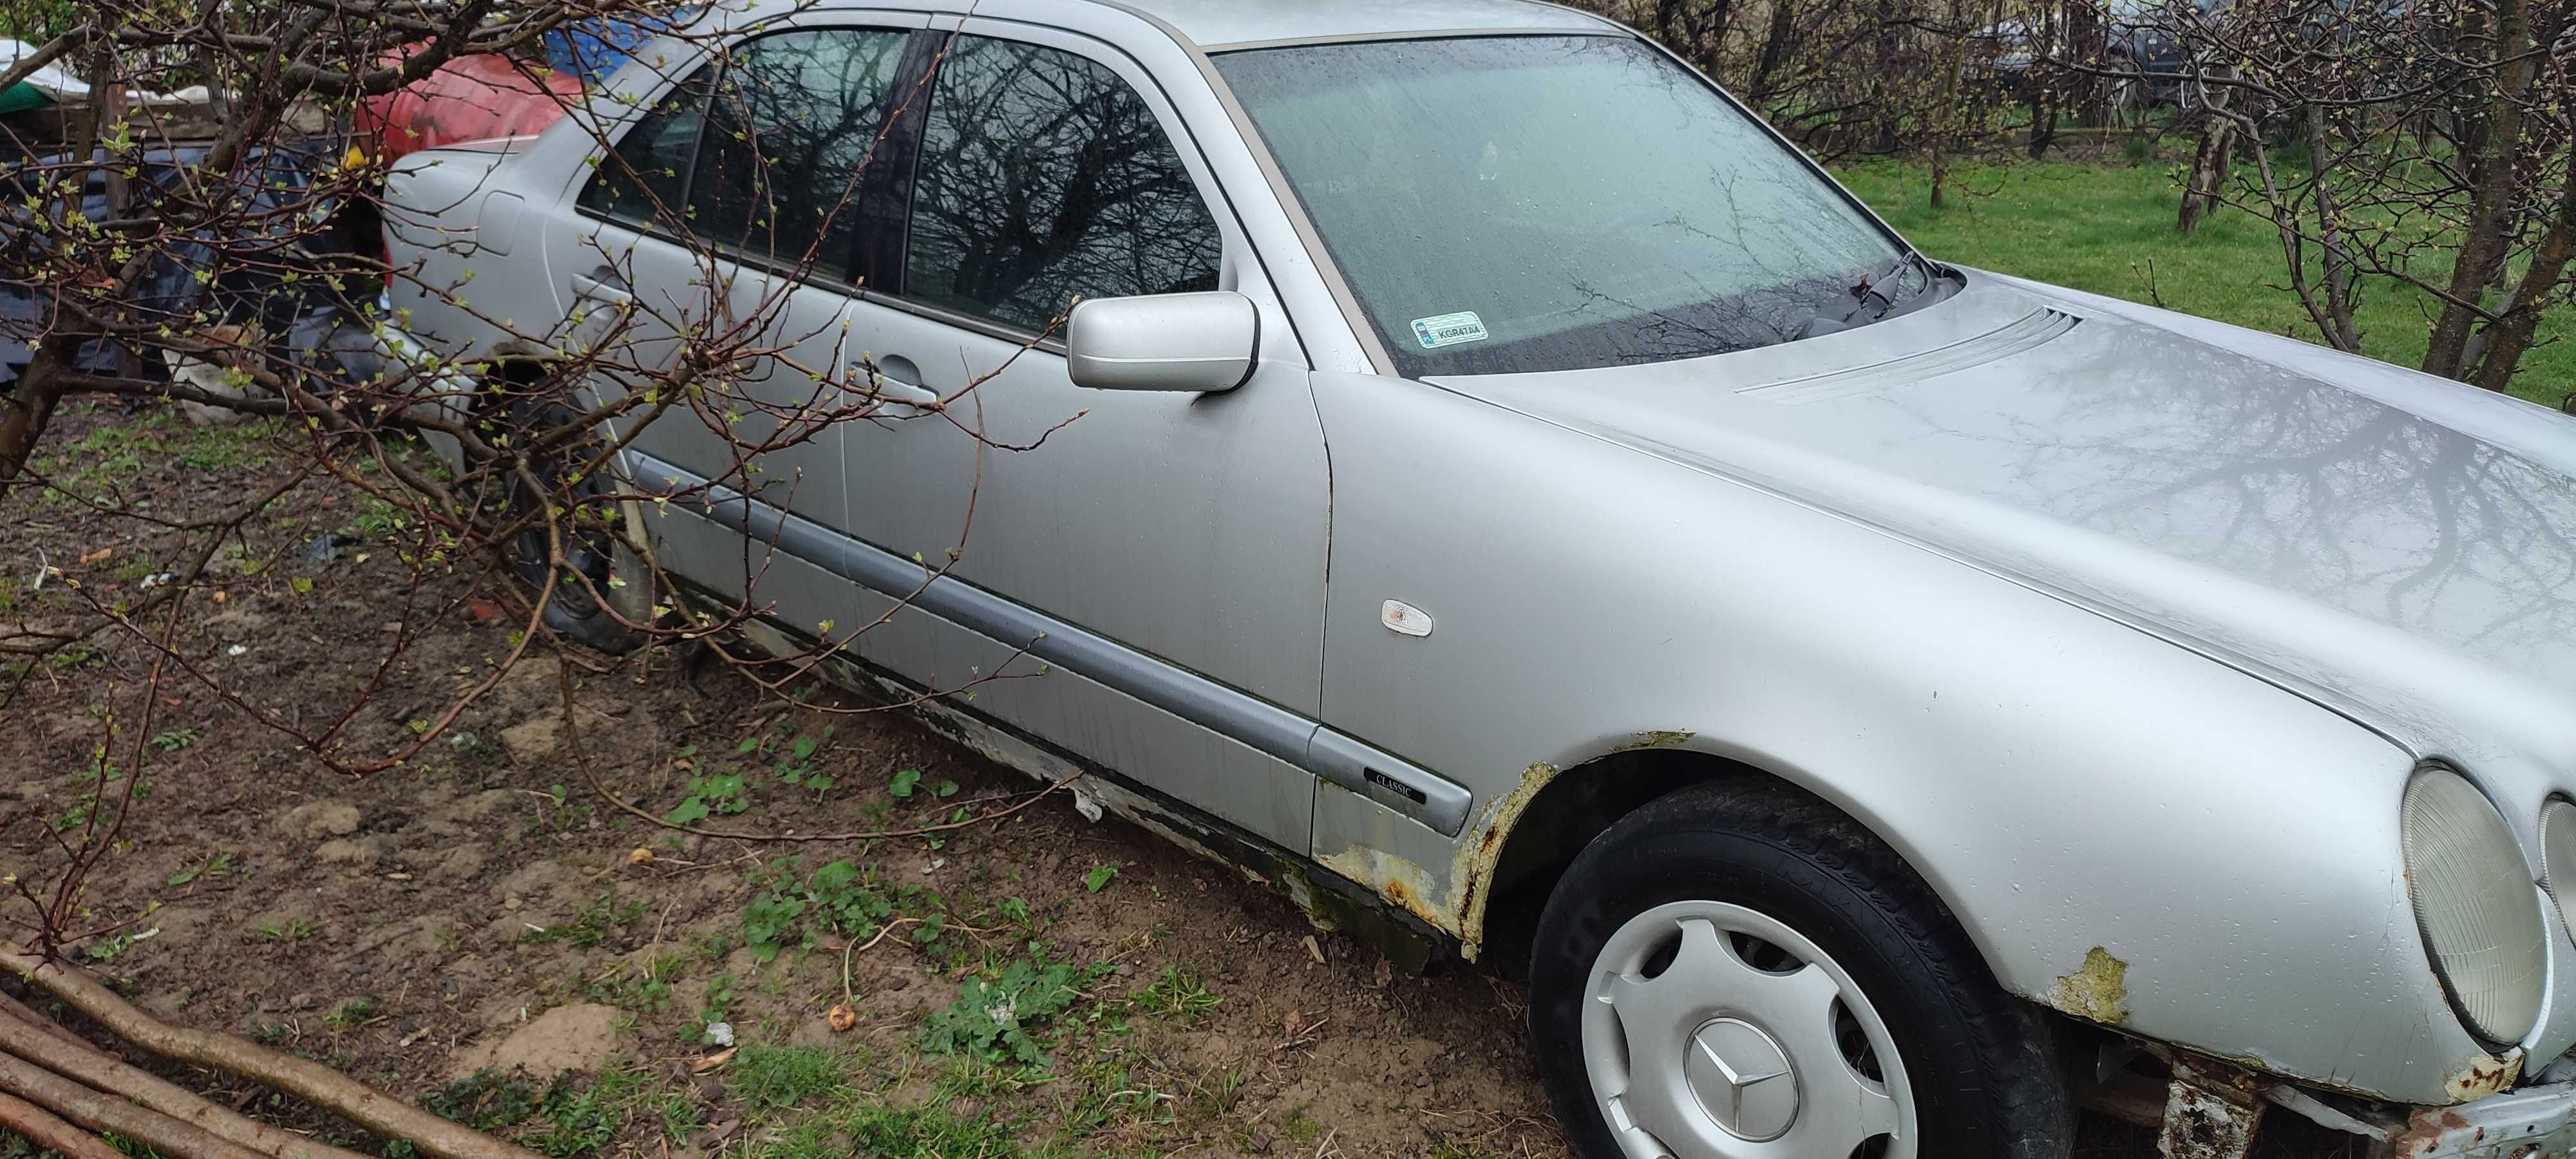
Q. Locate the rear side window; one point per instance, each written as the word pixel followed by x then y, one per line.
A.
pixel 1043 176
pixel 794 119
pixel 648 171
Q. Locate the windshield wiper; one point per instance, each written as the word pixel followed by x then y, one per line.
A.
pixel 1872 290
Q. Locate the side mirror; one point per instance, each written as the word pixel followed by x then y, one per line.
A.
pixel 1196 342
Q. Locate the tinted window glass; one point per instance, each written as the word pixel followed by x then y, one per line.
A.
pixel 1042 177
pixel 794 119
pixel 1531 203
pixel 648 170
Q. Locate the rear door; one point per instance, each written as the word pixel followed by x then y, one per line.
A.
pixel 727 214
pixel 631 277
pixel 787 150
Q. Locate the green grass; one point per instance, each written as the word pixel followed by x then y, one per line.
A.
pixel 573 1120
pixel 600 918
pixel 895 1133
pixel 2101 227
pixel 770 1077
pixel 1178 994
pixel 115 452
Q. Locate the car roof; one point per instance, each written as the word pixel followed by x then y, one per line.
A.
pixel 1221 24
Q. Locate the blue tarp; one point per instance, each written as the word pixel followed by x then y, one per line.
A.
pixel 594 48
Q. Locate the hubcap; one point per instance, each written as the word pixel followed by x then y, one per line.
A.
pixel 1743 1080
pixel 1716 1032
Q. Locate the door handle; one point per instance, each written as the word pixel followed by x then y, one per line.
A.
pixel 896 380
pixel 604 283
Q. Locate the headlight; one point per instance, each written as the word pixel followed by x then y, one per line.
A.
pixel 2474 901
pixel 2558 857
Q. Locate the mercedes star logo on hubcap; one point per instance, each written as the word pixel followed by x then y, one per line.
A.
pixel 1743 1080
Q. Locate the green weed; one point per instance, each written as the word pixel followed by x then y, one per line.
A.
pixel 351 1012
pixel 598 919
pixel 713 1010
pixel 107 949
pixel 998 1015
pixel 906 782
pixel 218 865
pixel 710 794
pixel 292 930
pixel 795 763
pixel 578 1122
pixel 1177 994
pixel 489 1100
pixel 839 898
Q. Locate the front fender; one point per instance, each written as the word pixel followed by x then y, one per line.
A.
pixel 2131 832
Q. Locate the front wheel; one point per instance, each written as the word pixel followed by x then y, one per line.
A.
pixel 1737 970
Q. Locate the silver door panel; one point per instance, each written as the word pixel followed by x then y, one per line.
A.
pixel 733 565
pixel 1190 527
pixel 804 547
pixel 1256 790
pixel 1185 531
pixel 803 321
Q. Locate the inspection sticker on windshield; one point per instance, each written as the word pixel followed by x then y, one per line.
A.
pixel 1449 329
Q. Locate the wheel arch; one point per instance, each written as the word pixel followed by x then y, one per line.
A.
pixel 1522 845
pixel 516 361
pixel 517 364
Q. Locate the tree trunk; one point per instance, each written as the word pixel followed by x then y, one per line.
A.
pixel 2340 329
pixel 311 1081
pixel 2483 243
pixel 79 1060
pixel 1776 41
pixel 1882 98
pixel 2510 337
pixel 2087 41
pixel 1948 111
pixel 25 413
pixel 41 1127
pixel 104 1112
pixel 2208 173
pixel 2208 177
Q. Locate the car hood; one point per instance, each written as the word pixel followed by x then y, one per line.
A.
pixel 2397 546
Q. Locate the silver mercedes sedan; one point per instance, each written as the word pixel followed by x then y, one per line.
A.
pixel 1526 510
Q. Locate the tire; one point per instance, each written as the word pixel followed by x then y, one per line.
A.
pixel 1735 934
pixel 596 552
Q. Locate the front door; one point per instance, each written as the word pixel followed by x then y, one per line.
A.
pixel 1186 530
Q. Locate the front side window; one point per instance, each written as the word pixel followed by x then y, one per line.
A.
pixel 1525 203
pixel 1043 177
pixel 795 117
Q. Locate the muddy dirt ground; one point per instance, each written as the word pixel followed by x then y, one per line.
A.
pixel 482 931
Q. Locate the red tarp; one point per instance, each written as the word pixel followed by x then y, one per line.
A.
pixel 470 98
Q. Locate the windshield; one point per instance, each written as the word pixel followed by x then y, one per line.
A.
pixel 1524 203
